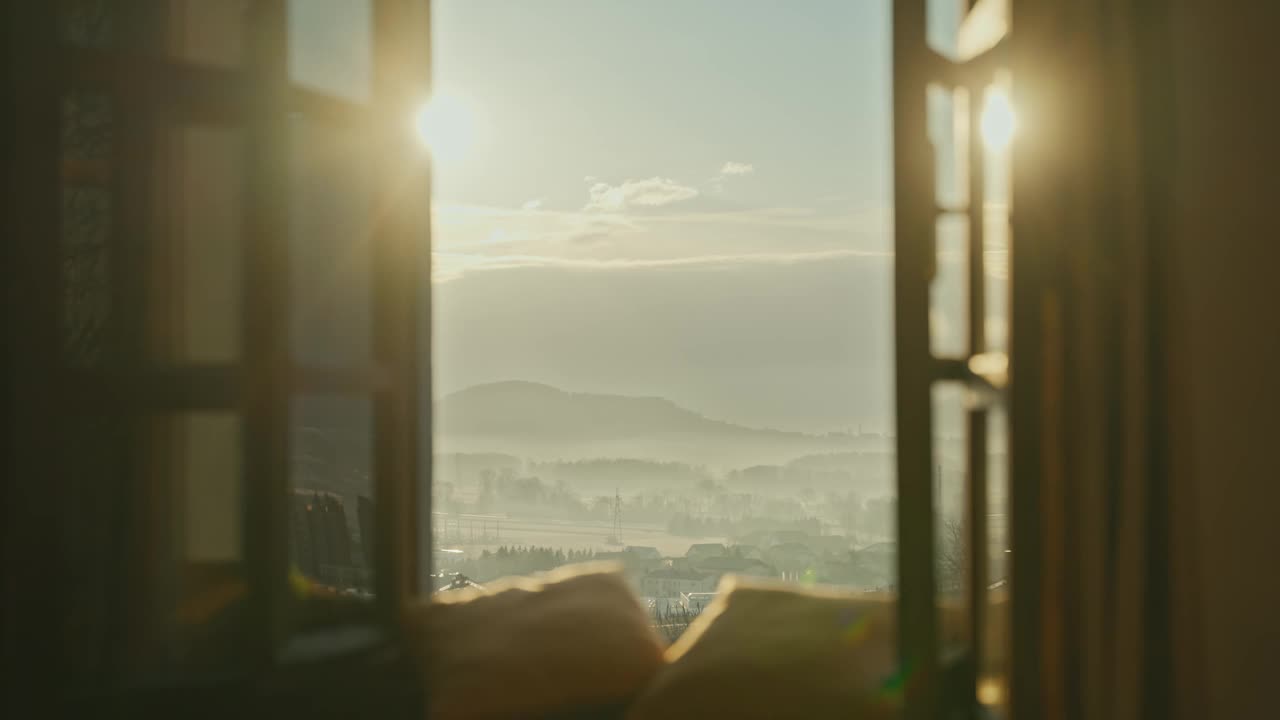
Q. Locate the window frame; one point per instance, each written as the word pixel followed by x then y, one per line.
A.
pixel 149 90
pixel 943 679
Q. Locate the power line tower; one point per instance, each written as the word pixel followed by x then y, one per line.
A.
pixel 616 537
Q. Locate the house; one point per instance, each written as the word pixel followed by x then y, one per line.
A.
pixel 781 537
pixel 792 559
pixel 696 602
pixel 658 605
pixel 670 583
pixel 644 552
pixel 698 551
pixel 736 565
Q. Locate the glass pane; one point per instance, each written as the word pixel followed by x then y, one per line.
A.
pixel 948 127
pixel 942 25
pixel 197 466
pixel 994 668
pixel 951 536
pixel 197 259
pixel 329 243
pixel 949 292
pixel 87 220
pixel 331 507
pixel 208 33
pixel 995 249
pixel 998 127
pixel 330 46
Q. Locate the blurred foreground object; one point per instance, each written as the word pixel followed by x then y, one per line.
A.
pixel 571 640
pixel 766 650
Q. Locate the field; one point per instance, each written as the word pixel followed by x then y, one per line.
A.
pixel 474 533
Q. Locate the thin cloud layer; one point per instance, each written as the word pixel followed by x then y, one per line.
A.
pixel 450 266
pixel 737 168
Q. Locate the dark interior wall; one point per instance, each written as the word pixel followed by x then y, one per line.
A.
pixel 1223 259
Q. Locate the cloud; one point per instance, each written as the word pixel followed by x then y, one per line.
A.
pixel 532 205
pixel 650 193
pixel 737 168
pixel 450 266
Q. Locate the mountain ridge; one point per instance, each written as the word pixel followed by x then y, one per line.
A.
pixel 542 421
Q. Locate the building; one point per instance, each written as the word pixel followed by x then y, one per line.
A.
pixel 696 602
pixel 721 566
pixel 644 552
pixel 671 583
pixel 699 551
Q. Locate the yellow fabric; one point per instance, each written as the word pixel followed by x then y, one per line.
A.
pixel 576 638
pixel 766 651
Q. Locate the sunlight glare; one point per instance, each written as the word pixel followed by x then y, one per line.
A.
pixel 998 120
pixel 447 126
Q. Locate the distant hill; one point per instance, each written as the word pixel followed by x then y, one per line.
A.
pixel 541 422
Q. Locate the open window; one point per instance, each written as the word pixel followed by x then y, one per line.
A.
pixel 223 245
pixel 224 257
pixel 953 123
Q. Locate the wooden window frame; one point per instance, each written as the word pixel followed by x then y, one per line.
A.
pixel 258 98
pixel 941 681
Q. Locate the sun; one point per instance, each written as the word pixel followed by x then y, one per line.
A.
pixel 998 119
pixel 447 126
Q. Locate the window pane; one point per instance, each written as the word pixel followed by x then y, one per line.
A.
pixel 197 257
pixel 331 507
pixel 943 22
pixel 330 46
pixel 951 546
pixel 1000 123
pixel 197 538
pixel 994 668
pixel 329 243
pixel 949 292
pixel 948 127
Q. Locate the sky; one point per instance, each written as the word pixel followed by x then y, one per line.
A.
pixel 685 198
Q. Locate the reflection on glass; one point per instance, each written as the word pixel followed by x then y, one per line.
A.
pixel 993 666
pixel 331 502
pixel 197 257
pixel 330 232
pixel 949 491
pixel 330 48
pixel 949 292
pixel 198 460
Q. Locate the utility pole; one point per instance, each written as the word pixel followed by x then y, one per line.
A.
pixel 616 537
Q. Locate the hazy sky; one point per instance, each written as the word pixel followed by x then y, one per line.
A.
pixel 687 198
